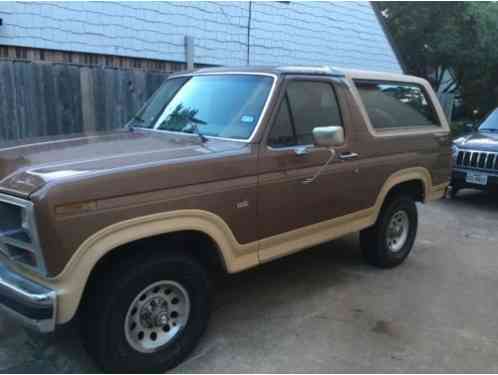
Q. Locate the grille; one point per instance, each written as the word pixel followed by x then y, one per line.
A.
pixel 478 160
pixel 18 235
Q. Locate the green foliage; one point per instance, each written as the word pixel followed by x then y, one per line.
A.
pixel 180 118
pixel 461 37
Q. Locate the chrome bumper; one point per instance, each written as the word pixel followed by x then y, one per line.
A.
pixel 30 303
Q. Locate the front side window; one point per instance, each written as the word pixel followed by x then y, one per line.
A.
pixel 307 105
pixel 396 105
pixel 227 106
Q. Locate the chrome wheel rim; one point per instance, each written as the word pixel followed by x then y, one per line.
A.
pixel 156 316
pixel 397 231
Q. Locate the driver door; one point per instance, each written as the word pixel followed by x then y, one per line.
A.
pixel 287 158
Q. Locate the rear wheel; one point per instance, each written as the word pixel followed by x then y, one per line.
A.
pixel 390 240
pixel 146 315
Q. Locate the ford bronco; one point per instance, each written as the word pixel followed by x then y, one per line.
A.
pixel 221 169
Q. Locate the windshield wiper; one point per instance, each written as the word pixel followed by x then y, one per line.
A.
pixel 138 119
pixel 134 119
pixel 195 130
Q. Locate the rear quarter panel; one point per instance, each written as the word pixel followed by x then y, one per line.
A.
pixel 383 153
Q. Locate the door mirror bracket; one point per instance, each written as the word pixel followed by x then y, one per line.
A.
pixel 322 168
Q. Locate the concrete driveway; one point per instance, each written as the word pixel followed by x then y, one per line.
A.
pixel 325 310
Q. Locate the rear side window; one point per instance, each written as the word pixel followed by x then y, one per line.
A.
pixel 393 105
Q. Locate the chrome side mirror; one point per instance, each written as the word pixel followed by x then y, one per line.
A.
pixel 328 136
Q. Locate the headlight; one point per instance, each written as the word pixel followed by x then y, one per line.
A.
pixel 454 151
pixel 25 222
pixel 18 234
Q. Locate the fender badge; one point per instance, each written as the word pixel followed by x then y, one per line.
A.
pixel 243 204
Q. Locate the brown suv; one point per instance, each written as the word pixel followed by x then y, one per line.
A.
pixel 222 168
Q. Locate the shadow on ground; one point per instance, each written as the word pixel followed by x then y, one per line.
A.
pixel 475 200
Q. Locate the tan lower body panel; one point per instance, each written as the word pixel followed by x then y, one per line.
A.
pixel 299 239
pixel 70 284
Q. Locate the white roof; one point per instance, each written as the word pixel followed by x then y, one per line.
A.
pixel 350 73
pixel 367 74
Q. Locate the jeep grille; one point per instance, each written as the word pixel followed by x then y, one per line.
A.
pixel 478 160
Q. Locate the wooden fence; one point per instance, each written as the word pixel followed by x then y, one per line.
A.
pixel 40 99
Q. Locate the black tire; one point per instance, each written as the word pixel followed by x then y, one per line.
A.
pixel 108 302
pixel 373 240
pixel 453 191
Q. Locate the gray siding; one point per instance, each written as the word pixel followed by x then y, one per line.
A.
pixel 343 34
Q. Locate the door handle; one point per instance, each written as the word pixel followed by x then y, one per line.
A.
pixel 348 155
pixel 302 150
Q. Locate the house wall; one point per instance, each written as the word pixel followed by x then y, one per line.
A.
pixel 344 34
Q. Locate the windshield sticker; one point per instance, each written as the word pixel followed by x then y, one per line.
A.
pixel 247 119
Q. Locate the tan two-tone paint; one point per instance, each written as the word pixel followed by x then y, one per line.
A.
pixel 70 283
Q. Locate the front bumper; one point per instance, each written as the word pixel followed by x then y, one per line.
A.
pixel 30 303
pixel 458 179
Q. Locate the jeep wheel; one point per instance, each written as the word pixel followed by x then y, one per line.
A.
pixel 452 191
pixel 391 239
pixel 146 315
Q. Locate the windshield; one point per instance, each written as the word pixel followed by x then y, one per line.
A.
pixel 491 122
pixel 227 106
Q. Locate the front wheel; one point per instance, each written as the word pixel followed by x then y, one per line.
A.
pixel 390 240
pixel 146 315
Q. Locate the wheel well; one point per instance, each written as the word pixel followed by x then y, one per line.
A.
pixel 413 188
pixel 197 244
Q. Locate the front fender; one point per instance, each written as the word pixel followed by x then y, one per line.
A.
pixel 70 283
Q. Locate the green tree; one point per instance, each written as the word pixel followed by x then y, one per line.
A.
pixel 460 37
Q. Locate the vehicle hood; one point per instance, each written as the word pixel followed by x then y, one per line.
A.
pixel 478 141
pixel 28 166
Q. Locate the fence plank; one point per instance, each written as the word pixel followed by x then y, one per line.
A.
pixel 49 91
pixel 20 105
pixel 88 99
pixel 8 118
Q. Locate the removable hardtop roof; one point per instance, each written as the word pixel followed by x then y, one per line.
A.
pixel 323 70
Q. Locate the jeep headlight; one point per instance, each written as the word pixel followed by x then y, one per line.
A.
pixel 18 233
pixel 454 151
